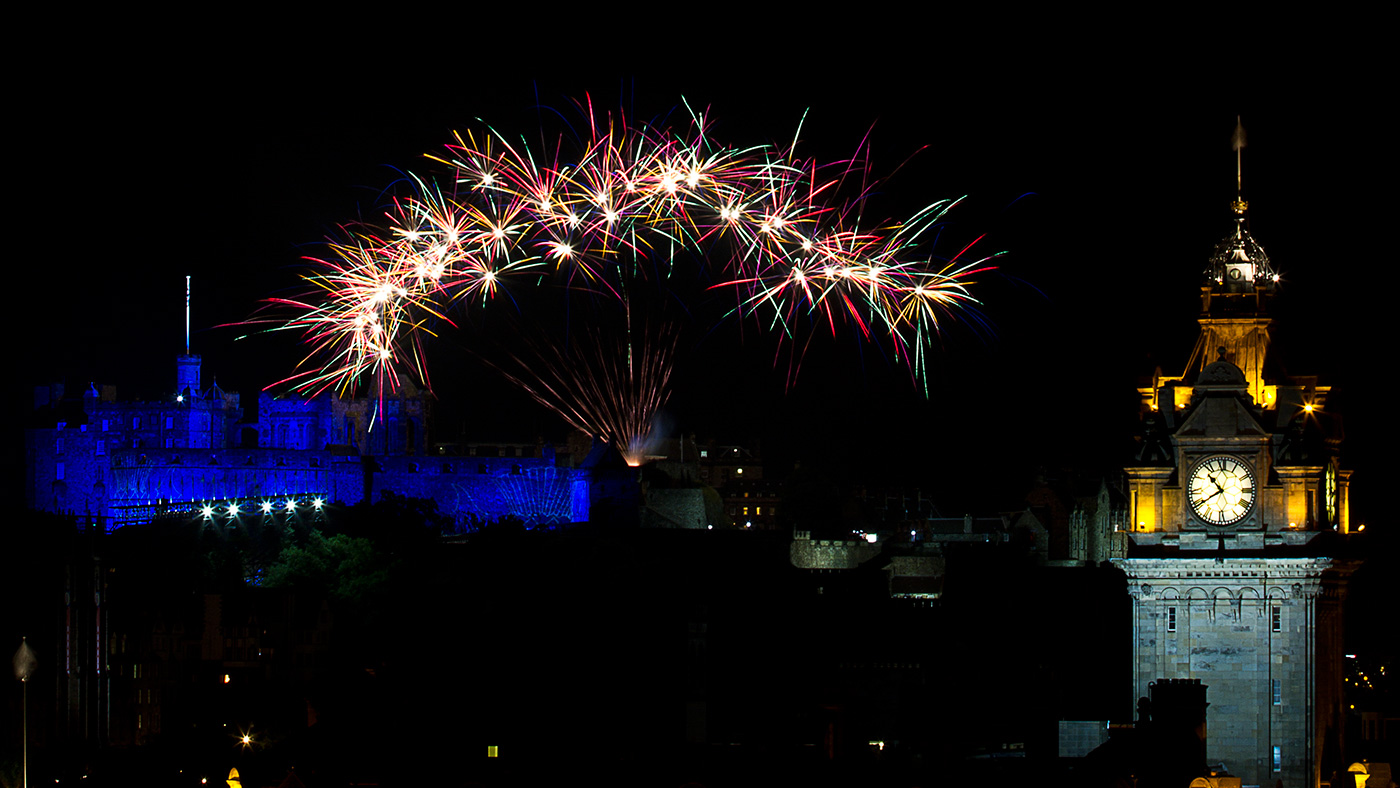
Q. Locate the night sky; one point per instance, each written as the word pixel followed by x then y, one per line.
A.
pixel 1106 176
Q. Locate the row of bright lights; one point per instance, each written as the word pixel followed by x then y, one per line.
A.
pixel 266 507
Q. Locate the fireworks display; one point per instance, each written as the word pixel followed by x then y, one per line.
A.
pixel 784 235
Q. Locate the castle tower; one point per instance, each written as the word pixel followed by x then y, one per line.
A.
pixel 1238 502
pixel 187 377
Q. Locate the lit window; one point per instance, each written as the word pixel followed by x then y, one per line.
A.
pixel 170 422
pixel 1278 758
pixel 136 422
pixel 1277 619
pixel 1276 688
pixel 58 472
pixel 1171 619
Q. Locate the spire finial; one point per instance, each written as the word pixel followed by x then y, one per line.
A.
pixel 187 314
pixel 1237 143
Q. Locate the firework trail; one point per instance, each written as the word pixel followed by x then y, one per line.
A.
pixel 606 387
pixel 770 227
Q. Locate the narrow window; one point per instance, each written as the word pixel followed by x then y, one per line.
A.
pixel 170 422
pixel 1276 686
pixel 1171 619
pixel 58 472
pixel 1278 758
pixel 136 422
pixel 1277 624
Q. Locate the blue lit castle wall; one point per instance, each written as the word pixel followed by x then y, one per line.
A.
pixel 116 462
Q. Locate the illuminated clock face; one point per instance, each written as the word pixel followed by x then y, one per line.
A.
pixel 1221 489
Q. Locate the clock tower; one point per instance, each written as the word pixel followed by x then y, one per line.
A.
pixel 1238 505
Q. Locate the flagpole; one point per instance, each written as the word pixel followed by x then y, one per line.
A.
pixel 24 663
pixel 24 715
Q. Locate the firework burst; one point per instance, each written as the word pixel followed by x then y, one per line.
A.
pixel 624 207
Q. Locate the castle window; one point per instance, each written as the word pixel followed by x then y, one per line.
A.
pixel 101 447
pixel 106 425
pixel 1277 623
pixel 1171 619
pixel 170 422
pixel 169 443
pixel 1278 758
pixel 1276 690
pixel 58 472
pixel 136 422
pixel 58 445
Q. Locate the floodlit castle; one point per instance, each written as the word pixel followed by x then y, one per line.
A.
pixel 114 462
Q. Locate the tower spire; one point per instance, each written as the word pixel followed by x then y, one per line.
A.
pixel 1236 287
pixel 187 314
pixel 1237 142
